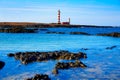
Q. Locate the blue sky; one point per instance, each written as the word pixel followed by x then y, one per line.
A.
pixel 89 12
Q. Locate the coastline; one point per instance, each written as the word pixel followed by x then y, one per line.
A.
pixel 46 25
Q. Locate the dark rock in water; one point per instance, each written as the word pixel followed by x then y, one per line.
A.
pixel 67 65
pixel 82 33
pixel 18 30
pixel 10 55
pixel 85 49
pixel 28 57
pixel 44 29
pixel 112 47
pixel 39 77
pixel 2 64
pixel 114 34
pixel 62 65
pixel 55 32
pixel 55 71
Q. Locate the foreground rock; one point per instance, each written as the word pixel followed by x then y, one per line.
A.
pixel 114 34
pixel 62 65
pixel 10 55
pixel 2 64
pixel 82 33
pixel 68 65
pixel 39 77
pixel 28 57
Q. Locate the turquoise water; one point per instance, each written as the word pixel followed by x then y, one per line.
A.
pixel 102 63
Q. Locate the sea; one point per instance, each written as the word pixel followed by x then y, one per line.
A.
pixel 102 63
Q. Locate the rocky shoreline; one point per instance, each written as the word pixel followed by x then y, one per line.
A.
pixel 46 25
pixel 35 30
pixel 18 30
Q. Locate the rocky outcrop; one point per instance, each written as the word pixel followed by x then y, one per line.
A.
pixel 28 57
pixel 67 65
pixel 2 64
pixel 17 30
pixel 79 33
pixel 114 34
pixel 40 77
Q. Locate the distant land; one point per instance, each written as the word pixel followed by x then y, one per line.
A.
pixel 45 25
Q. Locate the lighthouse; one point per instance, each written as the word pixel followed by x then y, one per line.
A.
pixel 59 17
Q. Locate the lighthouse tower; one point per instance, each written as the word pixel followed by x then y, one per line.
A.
pixel 69 20
pixel 59 17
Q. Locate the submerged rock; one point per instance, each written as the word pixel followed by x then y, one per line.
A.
pixel 28 57
pixel 112 47
pixel 84 49
pixel 82 33
pixel 43 29
pixel 39 77
pixel 2 64
pixel 114 34
pixel 55 32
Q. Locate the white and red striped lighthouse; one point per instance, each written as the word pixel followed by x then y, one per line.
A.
pixel 59 17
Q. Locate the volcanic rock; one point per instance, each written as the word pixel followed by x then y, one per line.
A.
pixel 67 65
pixel 39 77
pixel 55 71
pixel 62 65
pixel 10 55
pixel 2 64
pixel 28 57
pixel 82 33
pixel 114 34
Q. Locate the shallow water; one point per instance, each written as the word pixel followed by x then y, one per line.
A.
pixel 102 63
